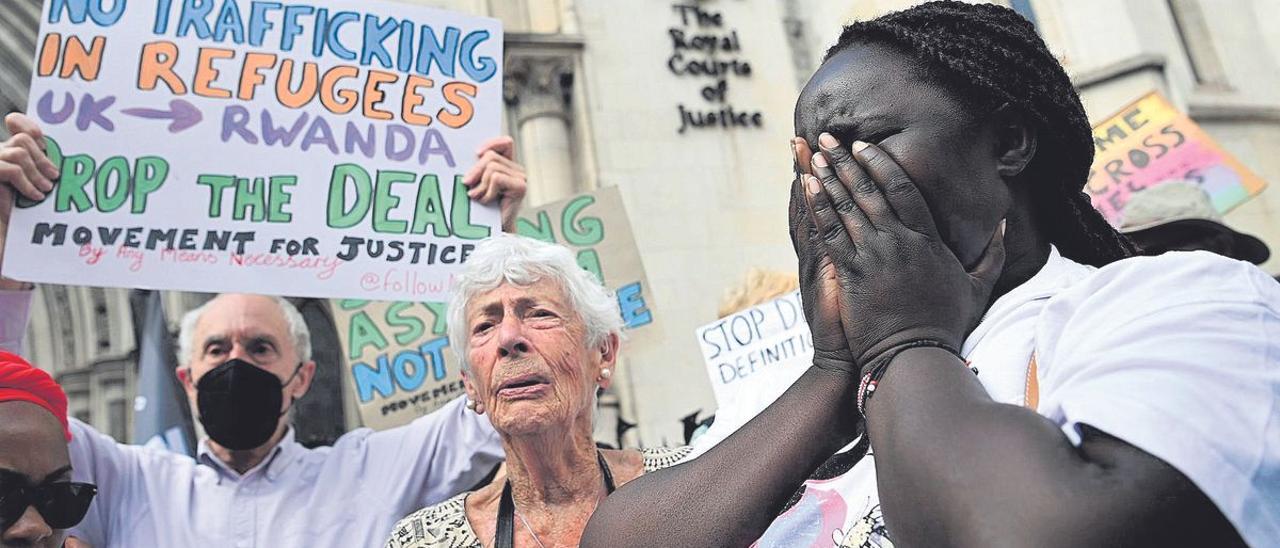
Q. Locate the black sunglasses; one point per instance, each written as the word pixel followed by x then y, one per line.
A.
pixel 62 504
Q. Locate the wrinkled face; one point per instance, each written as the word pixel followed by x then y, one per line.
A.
pixel 32 445
pixel 530 366
pixel 870 93
pixel 251 328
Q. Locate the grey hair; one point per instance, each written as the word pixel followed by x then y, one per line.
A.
pixel 524 261
pixel 298 331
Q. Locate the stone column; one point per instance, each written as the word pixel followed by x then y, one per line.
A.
pixel 538 87
pixel 569 17
pixel 544 16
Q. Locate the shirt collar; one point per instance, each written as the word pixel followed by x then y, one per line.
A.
pixel 278 459
pixel 1057 274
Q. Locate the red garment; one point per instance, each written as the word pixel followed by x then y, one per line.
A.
pixel 20 381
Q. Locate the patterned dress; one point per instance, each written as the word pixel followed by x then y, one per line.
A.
pixel 445 525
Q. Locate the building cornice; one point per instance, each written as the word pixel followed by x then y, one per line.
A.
pixel 543 41
pixel 1119 69
pixel 1214 111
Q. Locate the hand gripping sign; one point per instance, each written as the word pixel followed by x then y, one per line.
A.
pixel 291 148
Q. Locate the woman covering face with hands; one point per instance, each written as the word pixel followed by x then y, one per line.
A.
pixel 1021 379
pixel 872 224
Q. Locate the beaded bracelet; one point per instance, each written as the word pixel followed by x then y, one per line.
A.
pixel 880 365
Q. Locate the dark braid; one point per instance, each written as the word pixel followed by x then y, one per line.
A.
pixel 989 56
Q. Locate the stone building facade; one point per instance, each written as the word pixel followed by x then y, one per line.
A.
pixel 628 94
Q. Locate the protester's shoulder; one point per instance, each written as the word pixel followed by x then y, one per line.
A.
pixel 1142 285
pixel 442 525
pixel 1176 304
pixel 657 458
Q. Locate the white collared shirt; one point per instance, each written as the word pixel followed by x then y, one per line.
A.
pixel 347 495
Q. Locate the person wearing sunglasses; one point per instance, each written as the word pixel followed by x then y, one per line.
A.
pixel 38 500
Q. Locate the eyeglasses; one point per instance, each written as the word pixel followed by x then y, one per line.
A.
pixel 62 504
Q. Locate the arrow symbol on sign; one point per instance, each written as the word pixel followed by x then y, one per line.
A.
pixel 182 114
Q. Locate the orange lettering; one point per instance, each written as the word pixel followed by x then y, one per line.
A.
pixel 373 95
pixel 338 101
pixel 458 94
pixel 306 88
pixel 251 75
pixel 49 54
pixel 75 58
pixel 157 63
pixel 413 100
pixel 202 84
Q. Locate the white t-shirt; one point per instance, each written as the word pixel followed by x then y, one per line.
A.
pixel 1178 355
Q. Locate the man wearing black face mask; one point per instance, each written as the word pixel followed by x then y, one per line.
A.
pixel 245 359
pixel 239 403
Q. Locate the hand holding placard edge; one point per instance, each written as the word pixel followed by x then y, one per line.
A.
pixel 26 170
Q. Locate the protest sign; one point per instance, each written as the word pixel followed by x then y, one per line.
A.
pixel 596 228
pixel 768 340
pixel 395 351
pixel 1148 143
pixel 229 145
pixel 396 359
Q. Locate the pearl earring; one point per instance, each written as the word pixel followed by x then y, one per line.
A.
pixel 605 374
pixel 471 404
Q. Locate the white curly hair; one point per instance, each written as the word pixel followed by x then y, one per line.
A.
pixel 524 261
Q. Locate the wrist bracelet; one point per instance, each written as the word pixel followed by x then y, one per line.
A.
pixel 880 365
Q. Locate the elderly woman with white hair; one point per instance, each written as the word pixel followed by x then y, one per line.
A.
pixel 538 337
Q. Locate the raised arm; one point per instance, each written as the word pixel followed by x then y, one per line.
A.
pixel 497 176
pixel 25 170
pixel 730 495
pixel 428 460
pixel 117 471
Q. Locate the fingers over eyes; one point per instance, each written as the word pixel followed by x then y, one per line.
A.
pixel 798 215
pixel 899 191
pixel 847 209
pixel 831 227
pixel 801 154
pixel 861 186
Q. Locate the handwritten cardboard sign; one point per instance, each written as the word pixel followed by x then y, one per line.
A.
pixel 396 359
pixel 395 351
pixel 595 227
pixel 310 149
pixel 1149 142
pixel 770 340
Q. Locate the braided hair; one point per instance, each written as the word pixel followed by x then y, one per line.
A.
pixel 988 56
